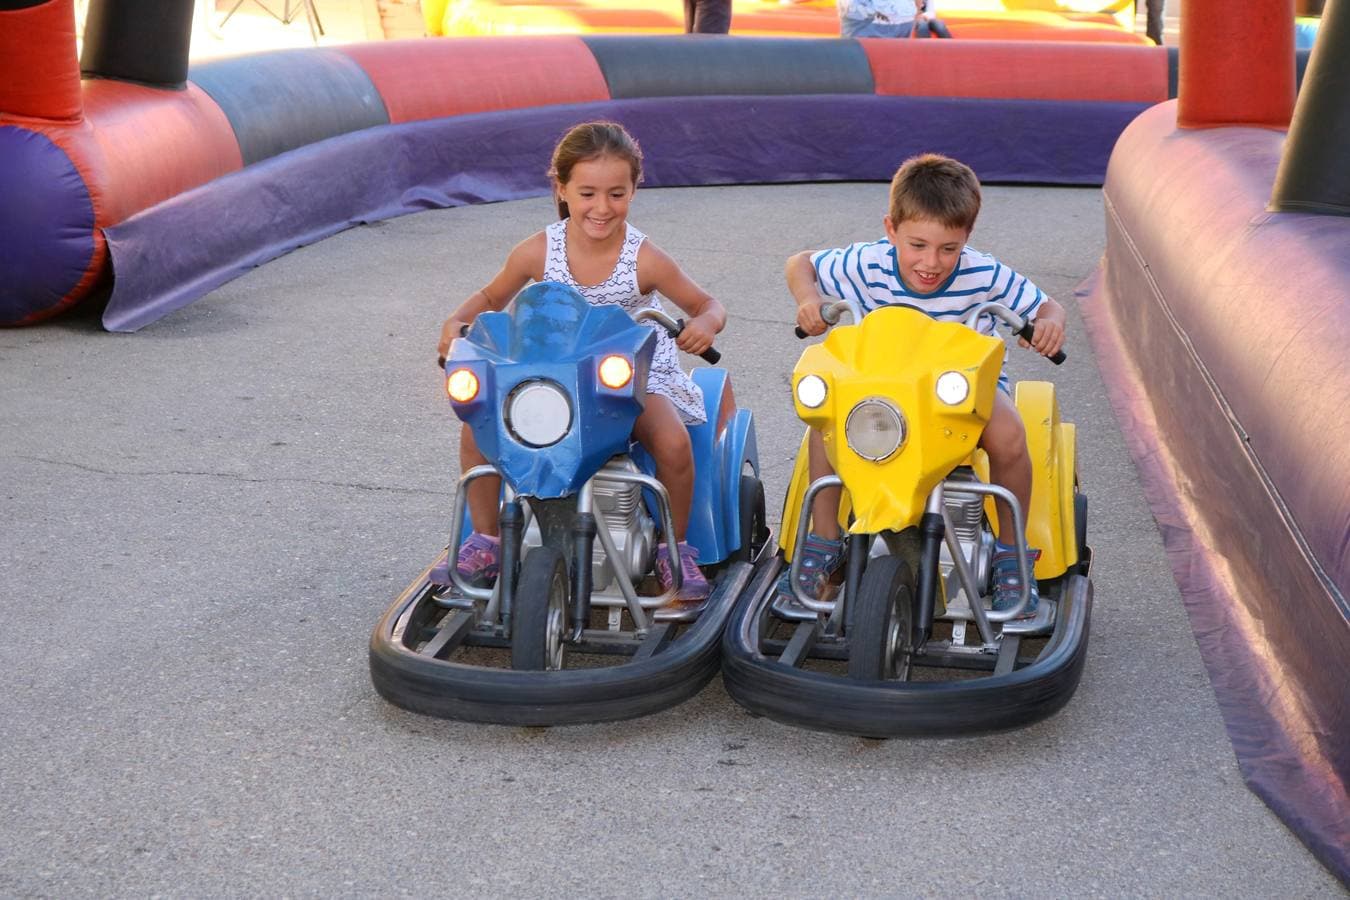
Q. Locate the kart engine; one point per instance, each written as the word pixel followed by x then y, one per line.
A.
pixel 629 523
pixel 966 512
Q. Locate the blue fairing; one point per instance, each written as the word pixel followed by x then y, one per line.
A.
pixel 553 334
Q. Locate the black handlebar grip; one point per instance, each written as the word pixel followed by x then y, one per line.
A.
pixel 1029 331
pixel 440 360
pixel 711 355
pixel 801 335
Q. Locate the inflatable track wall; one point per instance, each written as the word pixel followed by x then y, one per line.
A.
pixel 1222 332
pixel 174 192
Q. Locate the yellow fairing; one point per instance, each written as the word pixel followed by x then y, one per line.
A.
pixel 896 356
pixel 1052 446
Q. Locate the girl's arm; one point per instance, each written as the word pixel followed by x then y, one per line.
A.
pixel 523 263
pixel 658 272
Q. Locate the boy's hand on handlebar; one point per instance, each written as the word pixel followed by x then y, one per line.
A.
pixel 809 320
pixel 697 335
pixel 1049 336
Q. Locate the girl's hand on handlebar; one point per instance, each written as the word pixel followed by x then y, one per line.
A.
pixel 809 320
pixel 452 329
pixel 697 335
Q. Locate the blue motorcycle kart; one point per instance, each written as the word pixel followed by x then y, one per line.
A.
pixel 576 627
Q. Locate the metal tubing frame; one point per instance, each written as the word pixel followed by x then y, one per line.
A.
pixel 803 526
pixel 1023 563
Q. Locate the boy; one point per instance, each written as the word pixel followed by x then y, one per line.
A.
pixel 925 262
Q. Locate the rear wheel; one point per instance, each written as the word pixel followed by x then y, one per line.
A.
pixel 754 532
pixel 881 638
pixel 539 617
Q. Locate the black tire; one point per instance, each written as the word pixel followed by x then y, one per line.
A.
pixel 1080 522
pixel 881 639
pixel 539 619
pixel 754 531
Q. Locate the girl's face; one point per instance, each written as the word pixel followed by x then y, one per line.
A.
pixel 597 194
pixel 927 251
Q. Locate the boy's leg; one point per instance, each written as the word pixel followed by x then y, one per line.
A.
pixel 825 508
pixel 1005 440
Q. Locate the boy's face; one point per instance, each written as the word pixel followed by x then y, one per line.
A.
pixel 926 250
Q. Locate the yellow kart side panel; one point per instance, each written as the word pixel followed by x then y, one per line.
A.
pixel 796 492
pixel 896 356
pixel 1050 518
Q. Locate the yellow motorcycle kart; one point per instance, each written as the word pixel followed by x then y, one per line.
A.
pixel 909 644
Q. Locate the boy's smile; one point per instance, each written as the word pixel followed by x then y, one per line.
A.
pixel 926 252
pixel 598 192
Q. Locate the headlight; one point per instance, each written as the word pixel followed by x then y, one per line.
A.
pixel 538 413
pixel 875 429
pixel 811 391
pixel 461 385
pixel 615 371
pixel 952 388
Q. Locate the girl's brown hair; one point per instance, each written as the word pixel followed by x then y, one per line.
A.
pixel 938 188
pixel 592 140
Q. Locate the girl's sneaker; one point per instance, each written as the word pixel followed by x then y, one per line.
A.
pixel 478 559
pixel 821 558
pixel 694 586
pixel 1008 581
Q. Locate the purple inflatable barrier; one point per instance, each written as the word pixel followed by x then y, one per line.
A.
pixel 1223 335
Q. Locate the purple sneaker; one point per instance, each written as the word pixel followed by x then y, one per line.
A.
pixel 478 559
pixel 694 588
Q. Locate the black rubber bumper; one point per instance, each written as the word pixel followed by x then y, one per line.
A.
pixel 453 690
pixel 906 709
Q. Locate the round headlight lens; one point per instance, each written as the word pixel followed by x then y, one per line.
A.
pixel 461 385
pixel 875 429
pixel 811 391
pixel 615 371
pixel 952 388
pixel 538 413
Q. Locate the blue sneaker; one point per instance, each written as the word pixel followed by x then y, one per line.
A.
pixel 821 559
pixel 1007 580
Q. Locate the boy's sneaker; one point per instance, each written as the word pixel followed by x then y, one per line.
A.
pixel 821 558
pixel 1008 581
pixel 478 559
pixel 694 587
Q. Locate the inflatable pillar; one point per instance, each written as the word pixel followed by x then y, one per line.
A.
pixel 138 40
pixel 39 78
pixel 1237 68
pixel 1313 175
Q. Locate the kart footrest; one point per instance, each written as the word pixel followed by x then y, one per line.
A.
pixel 799 647
pixel 453 629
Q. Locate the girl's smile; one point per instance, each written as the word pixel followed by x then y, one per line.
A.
pixel 598 193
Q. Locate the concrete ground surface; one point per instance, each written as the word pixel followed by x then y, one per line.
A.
pixel 204 521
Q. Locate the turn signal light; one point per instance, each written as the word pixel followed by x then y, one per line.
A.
pixel 615 371
pixel 461 385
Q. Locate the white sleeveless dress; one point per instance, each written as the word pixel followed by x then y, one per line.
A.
pixel 621 289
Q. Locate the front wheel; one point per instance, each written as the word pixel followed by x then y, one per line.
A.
pixel 880 639
pixel 539 619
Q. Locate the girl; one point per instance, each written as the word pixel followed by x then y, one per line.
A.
pixel 595 170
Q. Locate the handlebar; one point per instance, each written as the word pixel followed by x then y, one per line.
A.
pixel 673 328
pixel 1023 328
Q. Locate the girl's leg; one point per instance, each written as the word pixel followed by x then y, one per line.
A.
pixel 485 492
pixel 660 430
pixel 1005 440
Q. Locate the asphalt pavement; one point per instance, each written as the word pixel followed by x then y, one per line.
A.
pixel 202 523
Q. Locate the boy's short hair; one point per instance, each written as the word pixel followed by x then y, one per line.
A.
pixel 932 186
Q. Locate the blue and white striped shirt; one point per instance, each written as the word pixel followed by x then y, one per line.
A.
pixel 869 273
